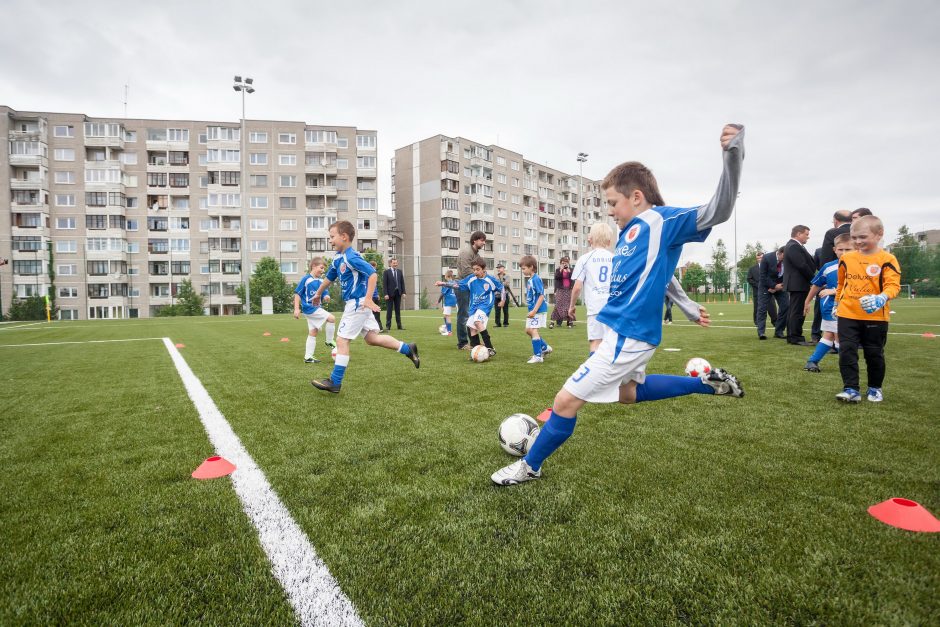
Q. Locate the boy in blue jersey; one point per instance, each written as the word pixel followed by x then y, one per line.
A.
pixel 538 308
pixel 647 252
pixel 316 316
pixel 448 300
pixel 483 289
pixel 824 285
pixel 358 279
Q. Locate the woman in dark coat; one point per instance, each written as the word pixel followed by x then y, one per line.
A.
pixel 563 285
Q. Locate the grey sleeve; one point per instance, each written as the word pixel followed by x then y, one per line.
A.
pixel 719 208
pixel 687 306
pixel 464 258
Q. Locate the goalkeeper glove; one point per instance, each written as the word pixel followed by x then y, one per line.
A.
pixel 872 303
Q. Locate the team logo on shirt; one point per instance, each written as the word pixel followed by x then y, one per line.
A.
pixel 486 287
pixel 342 268
pixel 873 270
pixel 632 233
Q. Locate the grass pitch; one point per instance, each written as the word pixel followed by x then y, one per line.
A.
pixel 698 509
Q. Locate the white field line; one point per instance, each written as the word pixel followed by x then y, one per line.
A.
pixel 311 589
pixel 689 325
pixel 22 326
pixel 132 339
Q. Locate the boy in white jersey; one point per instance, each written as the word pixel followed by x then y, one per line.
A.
pixel 358 280
pixel 592 276
pixel 651 240
pixel 316 316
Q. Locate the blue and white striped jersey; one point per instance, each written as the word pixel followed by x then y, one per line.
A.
pixel 353 272
pixel 827 278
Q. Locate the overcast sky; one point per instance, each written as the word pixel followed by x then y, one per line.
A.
pixel 841 99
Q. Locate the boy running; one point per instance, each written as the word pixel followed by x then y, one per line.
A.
pixel 316 316
pixel 824 285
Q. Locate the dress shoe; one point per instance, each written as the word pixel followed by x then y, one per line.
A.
pixel 762 337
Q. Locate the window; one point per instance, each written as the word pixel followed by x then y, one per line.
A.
pixel 27 266
pixel 64 154
pixel 258 137
pixel 342 184
pixel 342 142
pixel 65 200
pixel 342 164
pixel 225 200
pixel 65 223
pixel 364 225
pixel 258 224
pixel 178 179
pixel 128 158
pixel 223 133
pixel 258 180
pixel 131 202
pixel 516 232
pixel 317 244
pixel 288 225
pixel 320 137
pixel 286 159
pixel 342 204
pixel 287 138
pixel 366 203
pixel 365 162
pixel 66 246
pixel 202 158
pixel 515 215
pixel 181 202
pixel 288 180
pixel 450 242
pixel 29 148
pixel 501 161
pixel 320 222
pixel 450 204
pixel 365 185
pixel 101 129
pixel 224 177
pixel 103 176
pixel 179 245
pixel 259 245
pixel 63 131
pixel 154 179
pixel 179 224
pixel 258 158
pixel 289 267
pixel 132 224
pixel 96 222
pixel 258 202
pixel 65 178
pixel 67 292
pixel 514 165
pixel 365 141
pixel 289 246
pixel 133 247
pixel 223 156
pixel 98 268
pixel 451 224
pixel 177 134
pixel 130 136
pixel 501 178
pixel 502 196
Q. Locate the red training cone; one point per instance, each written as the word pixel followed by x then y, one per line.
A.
pixel 929 335
pixel 905 514
pixel 213 468
pixel 285 339
pixel 545 415
pixel 180 346
pixel 266 334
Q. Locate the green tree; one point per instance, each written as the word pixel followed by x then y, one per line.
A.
pixel 423 301
pixel 267 280
pixel 371 255
pixel 720 272
pixel 189 302
pixel 29 308
pixel 693 278
pixel 915 261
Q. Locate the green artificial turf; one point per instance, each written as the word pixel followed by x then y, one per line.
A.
pixel 698 509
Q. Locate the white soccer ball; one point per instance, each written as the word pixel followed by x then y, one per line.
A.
pixel 442 329
pixel 480 354
pixel 517 433
pixel 333 354
pixel 697 366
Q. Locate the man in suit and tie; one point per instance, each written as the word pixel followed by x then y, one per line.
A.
pixel 771 296
pixel 393 282
pixel 798 271
pixel 753 279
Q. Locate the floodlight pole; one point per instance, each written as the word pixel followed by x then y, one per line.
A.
pixel 243 87
pixel 582 158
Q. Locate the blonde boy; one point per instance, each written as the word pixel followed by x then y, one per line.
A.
pixel 316 316
pixel 592 275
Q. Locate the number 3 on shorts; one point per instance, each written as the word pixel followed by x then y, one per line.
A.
pixel 580 374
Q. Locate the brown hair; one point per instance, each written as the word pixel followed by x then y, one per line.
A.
pixel 345 227
pixel 870 222
pixel 477 235
pixel 861 212
pixel 633 175
pixel 840 238
pixel 478 261
pixel 799 228
pixel 528 261
pixel 316 261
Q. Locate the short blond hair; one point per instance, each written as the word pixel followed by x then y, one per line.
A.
pixel 601 235
pixel 871 223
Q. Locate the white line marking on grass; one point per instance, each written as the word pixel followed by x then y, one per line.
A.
pixel 691 325
pixel 311 589
pixel 22 326
pixel 132 339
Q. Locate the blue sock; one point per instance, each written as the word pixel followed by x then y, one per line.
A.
pixel 447 324
pixel 544 345
pixel 537 347
pixel 339 369
pixel 660 386
pixel 821 349
pixel 404 349
pixel 553 434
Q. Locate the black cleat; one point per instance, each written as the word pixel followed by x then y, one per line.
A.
pixel 413 355
pixel 811 366
pixel 326 385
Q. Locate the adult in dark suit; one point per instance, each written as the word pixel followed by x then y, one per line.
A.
pixel 753 279
pixel 841 222
pixel 798 271
pixel 816 331
pixel 771 297
pixel 393 281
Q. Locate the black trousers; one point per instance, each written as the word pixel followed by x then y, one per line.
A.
pixel 795 317
pixel 776 306
pixel 463 309
pixel 505 314
pixel 754 299
pixel 393 302
pixel 871 336
pixel 378 318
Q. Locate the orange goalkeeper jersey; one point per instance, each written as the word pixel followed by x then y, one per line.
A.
pixel 860 275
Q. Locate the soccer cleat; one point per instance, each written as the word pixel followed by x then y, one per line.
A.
pixel 413 355
pixel 330 345
pixel 547 350
pixel 492 352
pixel 849 395
pixel 724 383
pixel 514 473
pixel 811 366
pixel 311 360
pixel 535 359
pixel 875 395
pixel 326 385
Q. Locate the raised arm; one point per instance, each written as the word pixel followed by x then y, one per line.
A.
pixel 689 308
pixel 720 207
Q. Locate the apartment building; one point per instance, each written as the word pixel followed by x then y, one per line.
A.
pixel 444 188
pixel 114 213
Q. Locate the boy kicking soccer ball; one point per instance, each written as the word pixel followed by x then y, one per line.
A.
pixel 538 308
pixel 358 279
pixel 316 316
pixel 483 289
pixel 647 252
pixel 824 285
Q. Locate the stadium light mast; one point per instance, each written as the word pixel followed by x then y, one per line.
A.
pixel 582 158
pixel 245 87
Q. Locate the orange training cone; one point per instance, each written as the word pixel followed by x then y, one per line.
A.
pixel 905 514
pixel 266 334
pixel 285 339
pixel 180 346
pixel 545 415
pixel 929 335
pixel 213 468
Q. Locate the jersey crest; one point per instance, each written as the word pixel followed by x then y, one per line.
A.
pixel 873 270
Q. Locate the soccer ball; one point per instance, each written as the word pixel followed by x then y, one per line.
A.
pixel 442 329
pixel 480 354
pixel 697 366
pixel 333 354
pixel 517 433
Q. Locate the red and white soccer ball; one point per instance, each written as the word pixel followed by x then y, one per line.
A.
pixel 517 433
pixel 480 354
pixel 697 366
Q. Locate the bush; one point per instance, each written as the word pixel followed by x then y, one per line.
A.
pixel 30 308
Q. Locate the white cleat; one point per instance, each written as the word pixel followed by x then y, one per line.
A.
pixel 535 359
pixel 514 473
pixel 724 383
pixel 547 350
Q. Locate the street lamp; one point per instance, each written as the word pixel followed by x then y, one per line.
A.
pixel 582 158
pixel 244 86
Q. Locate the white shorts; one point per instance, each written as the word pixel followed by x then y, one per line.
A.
pixel 536 322
pixel 829 325
pixel 316 319
pixel 598 380
pixel 478 316
pixel 446 309
pixel 595 329
pixel 356 322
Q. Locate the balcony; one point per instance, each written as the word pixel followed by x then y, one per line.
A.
pixel 37 183
pixel 224 211
pixel 29 160
pixel 330 147
pixel 322 190
pixel 319 168
pixel 366 172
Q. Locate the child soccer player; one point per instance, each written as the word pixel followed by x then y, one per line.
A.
pixel 314 314
pixel 449 299
pixel 358 280
pixel 824 285
pixel 483 288
pixel 868 278
pixel 647 252
pixel 592 275
pixel 538 308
